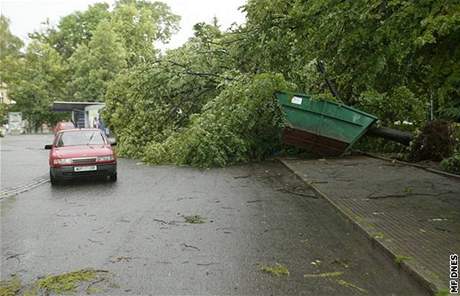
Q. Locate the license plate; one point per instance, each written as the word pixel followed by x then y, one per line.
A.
pixel 85 168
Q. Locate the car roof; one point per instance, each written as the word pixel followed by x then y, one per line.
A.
pixel 79 129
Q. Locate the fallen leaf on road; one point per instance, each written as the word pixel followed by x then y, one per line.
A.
pixel 277 270
pixel 120 259
pixel 350 285
pixel 195 219
pixel 323 275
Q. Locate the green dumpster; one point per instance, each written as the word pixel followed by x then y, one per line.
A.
pixel 322 127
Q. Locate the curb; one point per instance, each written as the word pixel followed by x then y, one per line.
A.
pixel 426 283
pixel 415 165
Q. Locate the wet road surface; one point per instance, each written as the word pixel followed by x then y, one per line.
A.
pixel 255 215
pixel 23 159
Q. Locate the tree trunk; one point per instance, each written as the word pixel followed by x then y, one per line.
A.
pixel 401 137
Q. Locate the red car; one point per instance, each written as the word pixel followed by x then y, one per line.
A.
pixel 63 125
pixel 79 153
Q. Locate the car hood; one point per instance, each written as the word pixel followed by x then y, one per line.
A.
pixel 82 151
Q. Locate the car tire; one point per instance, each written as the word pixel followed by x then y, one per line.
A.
pixel 113 177
pixel 53 180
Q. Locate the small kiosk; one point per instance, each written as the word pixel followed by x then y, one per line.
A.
pixel 83 113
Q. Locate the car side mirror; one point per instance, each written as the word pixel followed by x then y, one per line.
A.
pixel 112 142
pixel 48 147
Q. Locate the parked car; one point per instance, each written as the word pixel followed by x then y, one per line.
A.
pixel 81 153
pixel 63 125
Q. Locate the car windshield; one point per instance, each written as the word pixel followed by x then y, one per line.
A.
pixel 80 138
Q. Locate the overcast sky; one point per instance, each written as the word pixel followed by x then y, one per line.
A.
pixel 27 15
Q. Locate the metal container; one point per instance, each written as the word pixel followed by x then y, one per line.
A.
pixel 322 127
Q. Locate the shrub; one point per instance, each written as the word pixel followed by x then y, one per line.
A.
pixel 452 164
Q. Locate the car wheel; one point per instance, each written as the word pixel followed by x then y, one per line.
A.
pixel 53 180
pixel 113 177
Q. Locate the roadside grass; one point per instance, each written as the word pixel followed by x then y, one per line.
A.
pixel 195 219
pixel 276 270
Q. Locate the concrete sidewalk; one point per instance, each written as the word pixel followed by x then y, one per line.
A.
pixel 409 213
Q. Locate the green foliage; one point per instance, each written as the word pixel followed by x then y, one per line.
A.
pixel 394 108
pixel 10 47
pixel 39 82
pixel 77 59
pixel 3 111
pixel 94 65
pixel 148 102
pixel 400 51
pixel 9 44
pixel 209 102
pixel 452 164
pixel 140 24
pixel 74 29
pixel 240 124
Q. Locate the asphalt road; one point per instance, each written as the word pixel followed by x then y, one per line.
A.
pixel 255 215
pixel 23 159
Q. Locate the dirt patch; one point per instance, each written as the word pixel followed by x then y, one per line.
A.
pixel 435 142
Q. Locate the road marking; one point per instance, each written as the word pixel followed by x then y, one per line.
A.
pixel 12 191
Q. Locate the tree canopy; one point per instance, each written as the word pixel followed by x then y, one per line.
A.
pixel 209 101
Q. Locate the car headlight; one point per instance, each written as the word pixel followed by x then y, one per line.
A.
pixel 105 158
pixel 62 161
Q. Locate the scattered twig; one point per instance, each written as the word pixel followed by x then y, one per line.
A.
pixel 93 283
pixel 350 285
pixel 297 193
pixel 95 241
pixel 207 264
pixel 15 256
pixel 190 246
pixel 254 201
pixel 161 221
pixel 120 259
pixel 241 177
